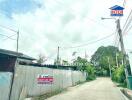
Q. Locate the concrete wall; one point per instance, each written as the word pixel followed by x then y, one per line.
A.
pixel 26 77
pixel 5 83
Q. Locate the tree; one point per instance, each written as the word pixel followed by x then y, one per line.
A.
pixel 57 62
pixel 100 57
pixel 64 62
pixel 81 63
pixel 41 59
pixel 84 65
pixel 90 69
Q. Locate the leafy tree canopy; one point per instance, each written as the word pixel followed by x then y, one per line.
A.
pixel 100 57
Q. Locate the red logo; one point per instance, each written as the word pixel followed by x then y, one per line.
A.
pixel 117 12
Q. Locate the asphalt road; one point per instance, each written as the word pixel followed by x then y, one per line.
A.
pixel 99 89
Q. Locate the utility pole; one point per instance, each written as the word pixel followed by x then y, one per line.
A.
pixel 85 55
pixel 117 61
pixel 122 49
pixel 58 55
pixel 109 65
pixel 17 41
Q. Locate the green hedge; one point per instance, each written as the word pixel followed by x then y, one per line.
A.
pixel 118 75
pixel 91 72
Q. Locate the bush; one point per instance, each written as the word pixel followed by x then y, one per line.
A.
pixel 91 72
pixel 118 75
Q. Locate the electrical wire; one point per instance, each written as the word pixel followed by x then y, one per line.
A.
pixel 116 39
pixel 128 22
pixel 129 29
pixel 82 45
pixel 100 24
pixel 8 28
pixel 8 37
pixel 50 57
pixel 124 3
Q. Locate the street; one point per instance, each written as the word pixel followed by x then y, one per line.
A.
pixel 99 89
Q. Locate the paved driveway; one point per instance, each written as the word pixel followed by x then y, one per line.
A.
pixel 99 89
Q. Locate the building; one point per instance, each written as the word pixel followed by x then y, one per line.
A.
pixel 8 59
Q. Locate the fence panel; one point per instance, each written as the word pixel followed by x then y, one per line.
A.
pixel 26 77
pixel 5 84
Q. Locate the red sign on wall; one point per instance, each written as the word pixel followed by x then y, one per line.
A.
pixel 45 79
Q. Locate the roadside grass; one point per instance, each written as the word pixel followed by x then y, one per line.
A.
pixel 121 85
pixel 118 84
pixel 47 95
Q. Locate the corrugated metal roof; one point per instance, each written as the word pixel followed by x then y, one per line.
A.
pixel 15 54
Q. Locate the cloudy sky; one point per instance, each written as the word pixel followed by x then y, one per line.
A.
pixel 46 24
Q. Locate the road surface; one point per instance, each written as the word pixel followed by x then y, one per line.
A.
pixel 99 89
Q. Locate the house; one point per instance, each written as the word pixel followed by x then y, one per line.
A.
pixel 8 59
pixel 117 10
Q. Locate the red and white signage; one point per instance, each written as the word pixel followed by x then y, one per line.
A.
pixel 44 79
pixel 117 12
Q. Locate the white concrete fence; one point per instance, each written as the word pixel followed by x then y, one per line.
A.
pixel 25 81
pixel 5 85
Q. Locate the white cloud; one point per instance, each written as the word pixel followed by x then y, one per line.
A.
pixel 64 23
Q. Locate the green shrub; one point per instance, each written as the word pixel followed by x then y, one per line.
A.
pixel 91 72
pixel 118 75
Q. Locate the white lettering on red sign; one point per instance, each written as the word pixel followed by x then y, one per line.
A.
pixel 45 79
pixel 117 11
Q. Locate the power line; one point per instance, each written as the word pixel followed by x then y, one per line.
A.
pixel 116 39
pixel 82 45
pixel 5 13
pixel 129 29
pixel 128 21
pixel 94 21
pixel 50 57
pixel 124 3
pixel 17 32
pixel 8 37
pixel 125 27
pixel 7 28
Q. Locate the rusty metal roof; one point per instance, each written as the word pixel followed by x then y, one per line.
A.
pixel 16 54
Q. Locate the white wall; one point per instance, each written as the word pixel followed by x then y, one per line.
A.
pixel 26 76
